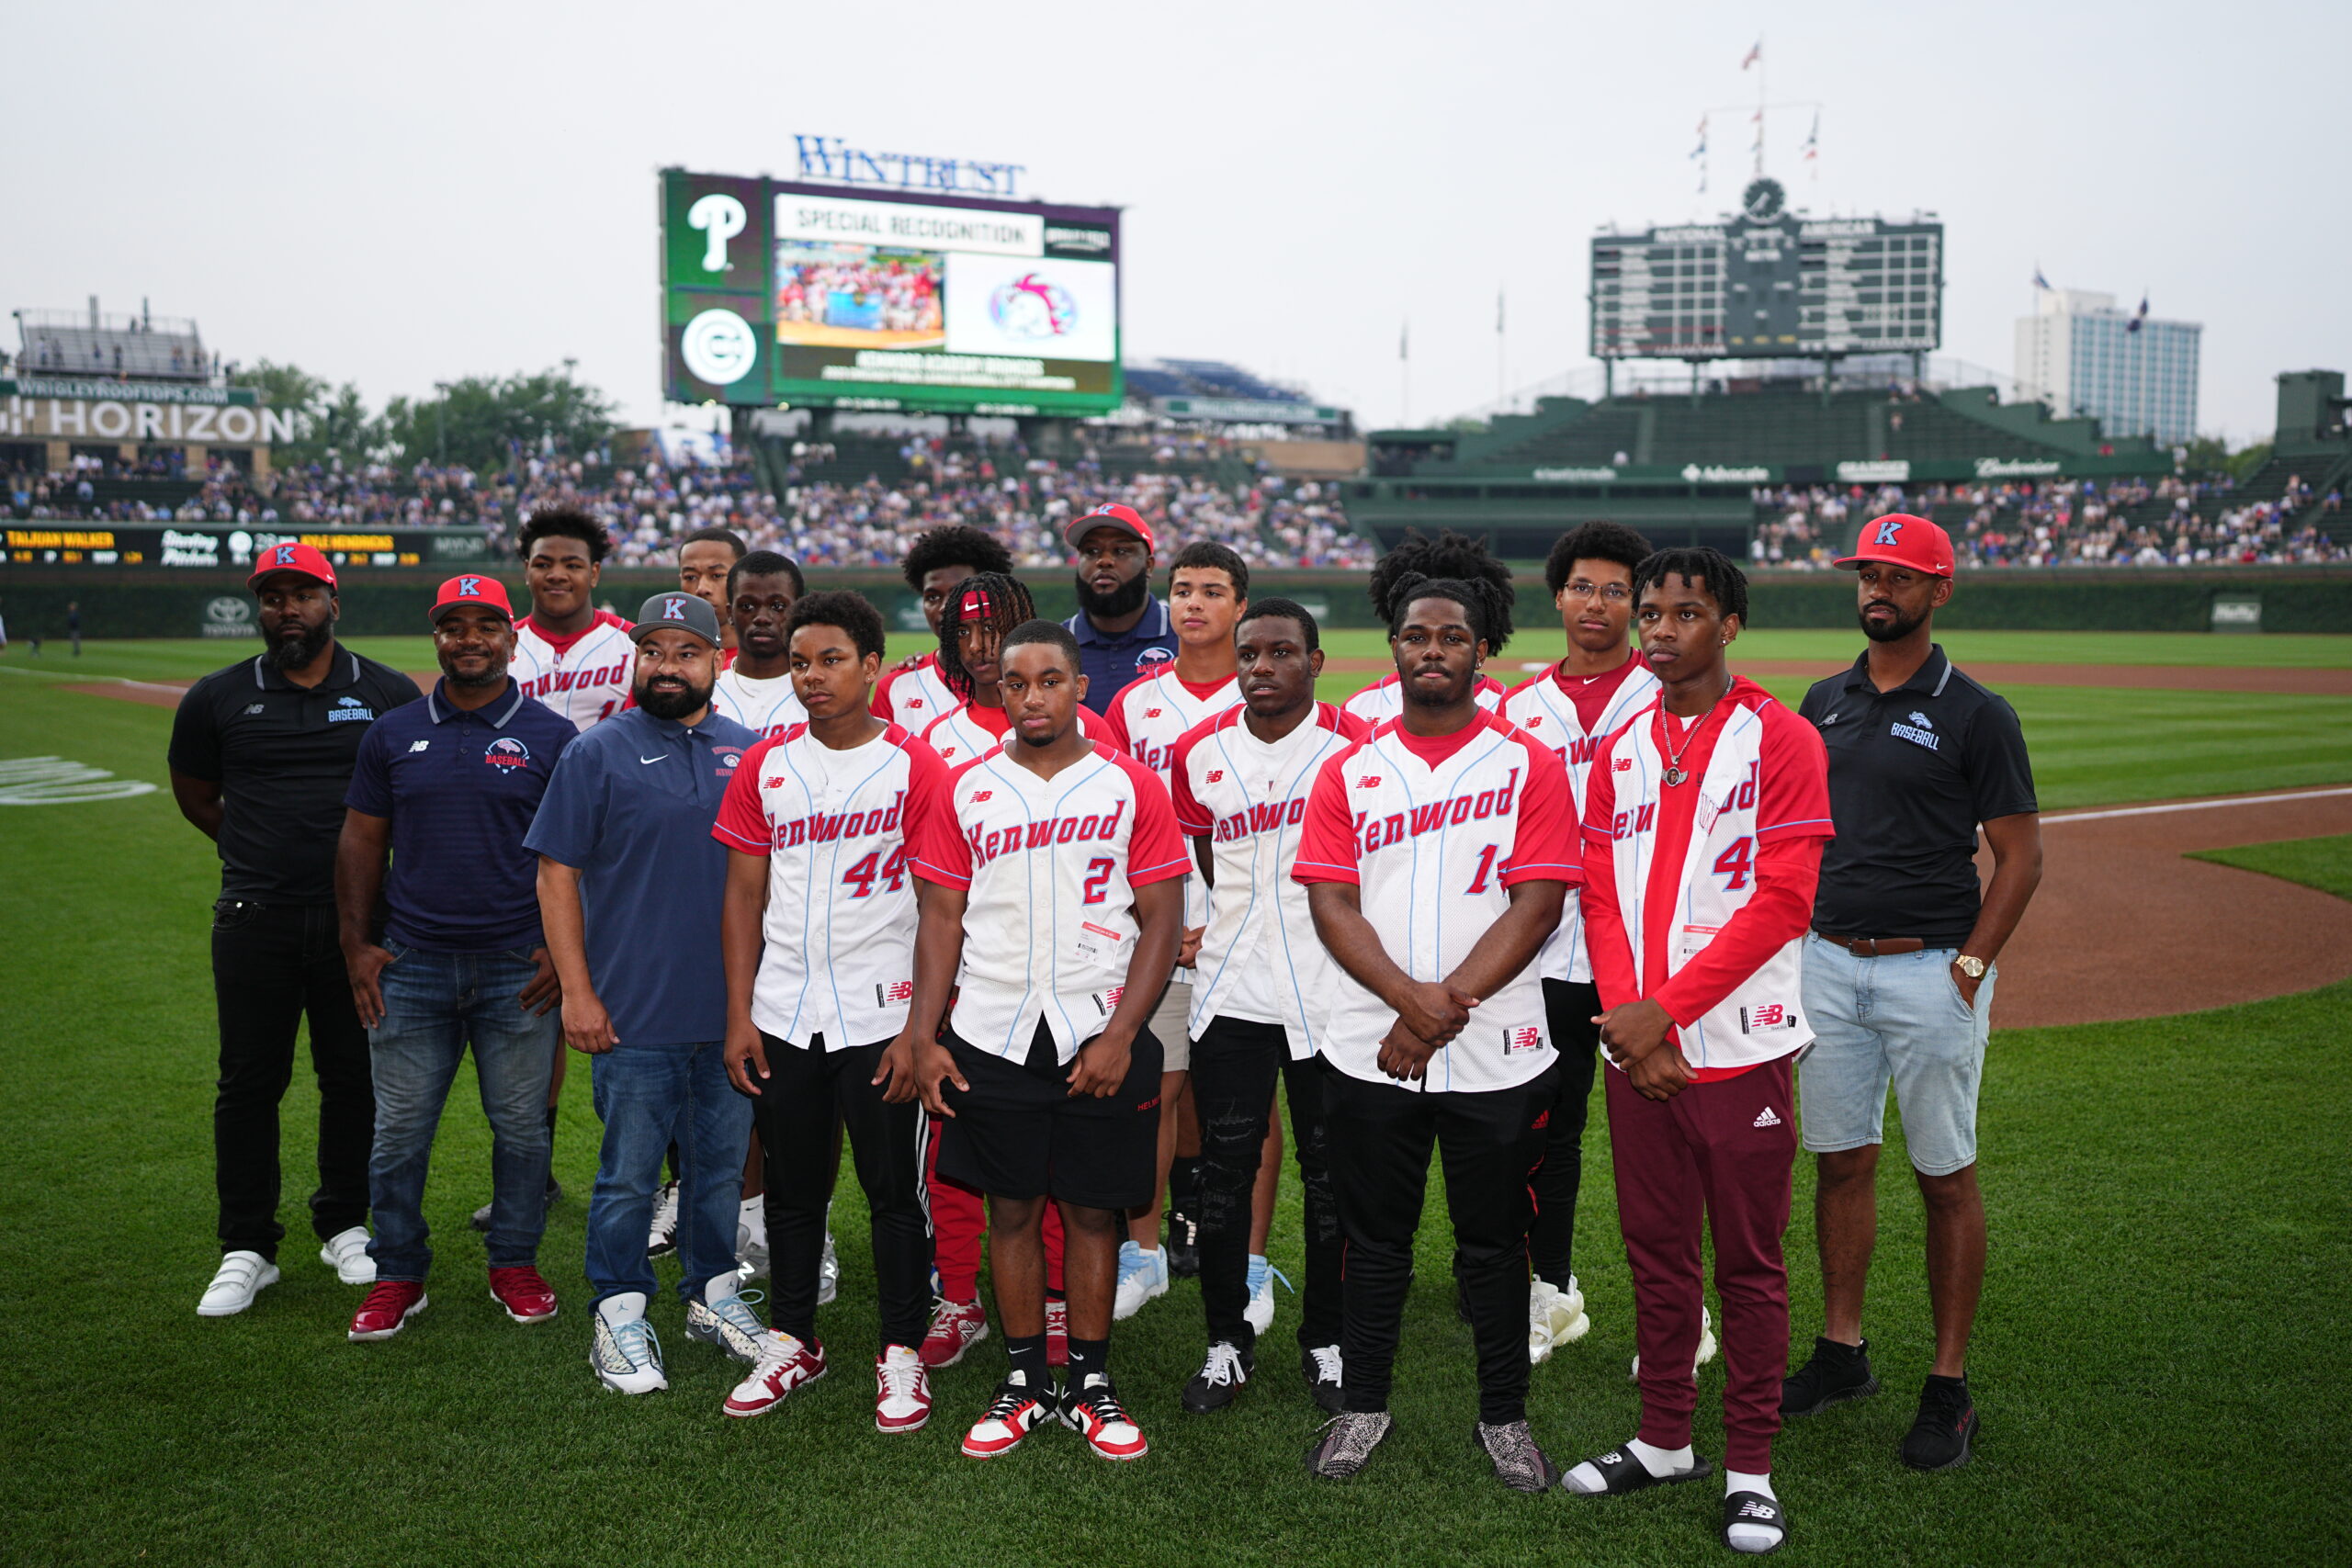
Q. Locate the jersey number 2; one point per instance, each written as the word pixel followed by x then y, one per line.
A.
pixel 1098 877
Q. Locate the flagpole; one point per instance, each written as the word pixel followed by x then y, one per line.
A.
pixel 1762 68
pixel 1498 350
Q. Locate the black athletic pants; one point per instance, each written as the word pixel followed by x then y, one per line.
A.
pixel 806 1091
pixel 1234 1064
pixel 272 965
pixel 1487 1141
pixel 1570 1007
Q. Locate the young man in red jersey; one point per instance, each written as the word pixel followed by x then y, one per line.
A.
pixel 1207 587
pixel 1450 555
pixel 569 654
pixel 1572 707
pixel 1060 876
pixel 819 939
pixel 914 694
pixel 1705 822
pixel 1436 853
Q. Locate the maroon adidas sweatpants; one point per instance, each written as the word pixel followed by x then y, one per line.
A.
pixel 1718 1154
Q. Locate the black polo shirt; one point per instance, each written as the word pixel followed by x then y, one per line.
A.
pixel 282 755
pixel 1912 771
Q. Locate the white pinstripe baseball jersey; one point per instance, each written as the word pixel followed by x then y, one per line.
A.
pixel 1260 957
pixel 914 697
pixel 1384 699
pixel 1050 867
pixel 966 732
pixel 583 677
pixel 1545 707
pixel 838 958
pixel 1150 714
pixel 767 708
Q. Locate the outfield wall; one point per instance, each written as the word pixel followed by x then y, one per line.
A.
pixel 390 601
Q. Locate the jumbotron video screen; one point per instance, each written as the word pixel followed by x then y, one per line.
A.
pixel 814 296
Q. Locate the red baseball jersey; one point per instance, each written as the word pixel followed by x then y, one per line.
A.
pixel 1436 832
pixel 585 676
pixel 840 928
pixel 1548 707
pixel 1697 894
pixel 1050 867
pixel 1260 959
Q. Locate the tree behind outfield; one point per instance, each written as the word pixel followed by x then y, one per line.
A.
pixel 486 422
pixel 327 419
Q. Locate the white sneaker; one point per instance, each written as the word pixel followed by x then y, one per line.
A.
pixel 1142 1276
pixel 1260 1312
pixel 1554 1317
pixel 752 1238
pixel 829 1273
pixel 242 1276
pixel 346 1253
pixel 1706 1346
pixel 662 1234
pixel 626 1353
pixel 729 1323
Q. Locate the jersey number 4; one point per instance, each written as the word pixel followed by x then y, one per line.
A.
pixel 1734 864
pixel 892 872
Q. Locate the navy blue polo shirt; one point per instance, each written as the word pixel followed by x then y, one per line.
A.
pixel 1110 663
pixel 460 789
pixel 631 809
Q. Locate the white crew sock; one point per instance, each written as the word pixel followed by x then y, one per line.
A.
pixel 1745 1537
pixel 625 1307
pixel 1587 1477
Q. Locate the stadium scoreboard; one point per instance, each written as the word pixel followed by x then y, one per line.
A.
pixel 1768 284
pixel 820 296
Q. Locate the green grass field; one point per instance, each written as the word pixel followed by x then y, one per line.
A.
pixel 2159 1362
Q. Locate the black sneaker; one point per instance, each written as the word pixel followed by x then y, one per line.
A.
pixel 1835 1374
pixel 1184 1246
pixel 1941 1436
pixel 1219 1379
pixel 1320 1365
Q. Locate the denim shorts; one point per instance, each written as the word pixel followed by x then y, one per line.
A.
pixel 1899 1020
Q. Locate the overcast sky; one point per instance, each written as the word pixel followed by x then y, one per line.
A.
pixel 397 195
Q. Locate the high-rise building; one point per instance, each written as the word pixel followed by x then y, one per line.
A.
pixel 2135 375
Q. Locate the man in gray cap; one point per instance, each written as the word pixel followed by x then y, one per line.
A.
pixel 629 895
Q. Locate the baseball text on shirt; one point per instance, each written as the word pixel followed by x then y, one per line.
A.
pixel 840 930
pixel 1050 867
pixel 1435 832
pixel 1260 959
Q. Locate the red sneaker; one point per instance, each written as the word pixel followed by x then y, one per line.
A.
pixel 388 1309
pixel 1016 1410
pixel 1056 1332
pixel 1109 1430
pixel 955 1327
pixel 901 1390
pixel 523 1293
pixel 785 1364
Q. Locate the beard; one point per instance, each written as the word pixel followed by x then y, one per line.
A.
pixel 1895 630
pixel 491 674
pixel 1124 600
pixel 293 652
pixel 1419 695
pixel 664 704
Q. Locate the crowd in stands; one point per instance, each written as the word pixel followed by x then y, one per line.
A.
pixel 2058 523
pixel 820 522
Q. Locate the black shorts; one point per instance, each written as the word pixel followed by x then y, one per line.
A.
pixel 1019 1132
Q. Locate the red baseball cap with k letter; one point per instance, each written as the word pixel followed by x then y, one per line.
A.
pixel 295 556
pixel 1899 539
pixel 459 591
pixel 1109 515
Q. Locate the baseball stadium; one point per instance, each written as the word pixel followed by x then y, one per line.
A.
pixel 870 420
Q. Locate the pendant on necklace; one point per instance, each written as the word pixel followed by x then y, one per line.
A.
pixel 1675 776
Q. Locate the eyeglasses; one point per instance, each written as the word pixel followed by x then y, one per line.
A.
pixel 1615 593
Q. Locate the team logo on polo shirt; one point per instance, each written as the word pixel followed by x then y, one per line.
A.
pixel 350 710
pixel 1151 656
pixel 507 752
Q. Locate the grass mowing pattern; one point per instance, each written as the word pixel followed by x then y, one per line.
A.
pixel 2325 863
pixel 2169 1229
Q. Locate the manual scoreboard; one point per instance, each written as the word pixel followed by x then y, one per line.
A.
pixel 1766 284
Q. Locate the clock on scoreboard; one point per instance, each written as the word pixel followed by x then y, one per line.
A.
pixel 1766 283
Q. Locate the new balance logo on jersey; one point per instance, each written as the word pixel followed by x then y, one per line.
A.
pixel 1372 832
pixel 896 991
pixel 1152 713
pixel 988 846
pixel 1622 764
pixel 1217 775
pixel 1772 1015
pixel 980 795
pixel 1766 1120
pixel 1525 1038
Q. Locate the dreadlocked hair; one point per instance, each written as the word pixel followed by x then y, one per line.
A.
pixel 1725 583
pixel 1452 556
pixel 1488 607
pixel 1007 605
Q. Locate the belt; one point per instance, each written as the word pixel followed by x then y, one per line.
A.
pixel 1876 946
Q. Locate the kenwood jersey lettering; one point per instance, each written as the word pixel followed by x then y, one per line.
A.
pixel 835 826
pixel 1260 958
pixel 1435 847
pixel 1546 708
pixel 584 677
pixel 1147 719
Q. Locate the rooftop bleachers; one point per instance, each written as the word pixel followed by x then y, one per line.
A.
pixel 64 342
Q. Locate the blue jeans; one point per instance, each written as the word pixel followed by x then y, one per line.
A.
pixel 435 1004
pixel 649 1096
pixel 1897 1019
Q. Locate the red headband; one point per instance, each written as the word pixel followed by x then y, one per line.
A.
pixel 974 605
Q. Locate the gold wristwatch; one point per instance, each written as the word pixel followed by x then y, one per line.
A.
pixel 1972 968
